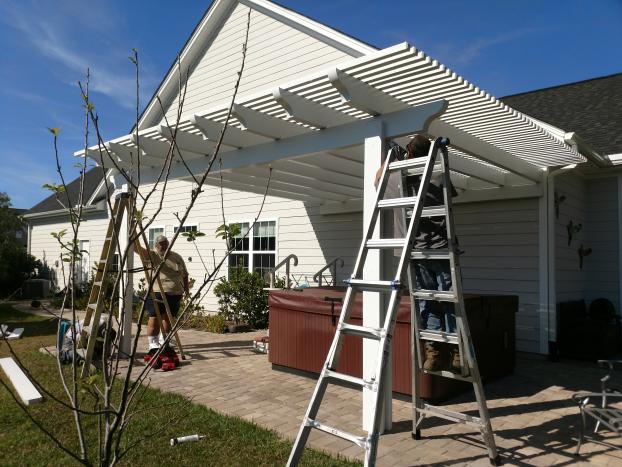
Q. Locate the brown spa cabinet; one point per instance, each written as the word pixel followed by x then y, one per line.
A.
pixel 303 323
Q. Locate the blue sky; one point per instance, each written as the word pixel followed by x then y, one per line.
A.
pixel 502 46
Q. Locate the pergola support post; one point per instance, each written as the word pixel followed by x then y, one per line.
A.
pixel 374 306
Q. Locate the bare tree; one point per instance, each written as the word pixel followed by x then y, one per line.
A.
pixel 112 395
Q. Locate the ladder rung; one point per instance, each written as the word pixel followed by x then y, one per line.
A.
pixel 441 253
pixel 98 283
pixel 439 336
pixel 386 243
pixel 407 202
pixel 435 295
pixel 408 163
pixel 457 417
pixel 382 286
pixel 433 211
pixel 363 331
pixel 92 305
pixel 358 440
pixel 360 382
pixel 449 375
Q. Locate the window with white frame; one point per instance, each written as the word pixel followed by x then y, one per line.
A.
pixel 186 228
pixel 256 250
pixel 153 233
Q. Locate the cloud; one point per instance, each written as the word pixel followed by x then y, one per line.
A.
pixel 59 35
pixel 453 54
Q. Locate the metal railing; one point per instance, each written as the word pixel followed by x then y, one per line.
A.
pixel 285 262
pixel 318 277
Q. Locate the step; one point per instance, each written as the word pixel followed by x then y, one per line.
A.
pixel 456 417
pixel 441 253
pixel 360 441
pixel 93 306
pixel 385 243
pixel 358 382
pixel 434 211
pixel 377 286
pixel 435 295
pixel 406 164
pixel 407 202
pixel 449 375
pixel 439 336
pixel 363 331
pixel 98 283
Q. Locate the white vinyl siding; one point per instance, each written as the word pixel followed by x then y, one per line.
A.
pixel 47 249
pixel 570 277
pixel 500 243
pixel 602 236
pixel 276 53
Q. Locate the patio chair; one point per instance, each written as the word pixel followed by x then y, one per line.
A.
pixel 595 404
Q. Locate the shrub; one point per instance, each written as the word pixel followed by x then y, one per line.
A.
pixel 242 298
pixel 209 323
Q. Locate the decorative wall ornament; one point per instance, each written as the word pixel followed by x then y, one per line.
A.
pixel 572 229
pixel 559 199
pixel 583 252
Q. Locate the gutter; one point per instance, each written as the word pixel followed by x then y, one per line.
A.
pixel 100 206
pixel 581 146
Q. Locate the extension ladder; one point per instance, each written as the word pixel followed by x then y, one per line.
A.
pixel 425 166
pixel 104 266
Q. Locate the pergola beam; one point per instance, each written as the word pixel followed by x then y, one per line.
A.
pixel 308 111
pixel 266 125
pixel 233 136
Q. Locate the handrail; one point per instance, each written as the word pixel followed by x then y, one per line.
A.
pixel 285 262
pixel 318 275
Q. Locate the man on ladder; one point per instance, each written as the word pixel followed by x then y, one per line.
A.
pixel 431 274
pixel 437 282
pixel 174 280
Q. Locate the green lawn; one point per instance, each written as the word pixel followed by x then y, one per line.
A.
pixel 229 441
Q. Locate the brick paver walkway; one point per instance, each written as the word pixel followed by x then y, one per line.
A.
pixel 534 420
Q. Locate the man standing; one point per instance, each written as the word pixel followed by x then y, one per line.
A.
pixel 174 280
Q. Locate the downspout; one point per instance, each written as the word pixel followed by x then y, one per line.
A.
pixel 550 264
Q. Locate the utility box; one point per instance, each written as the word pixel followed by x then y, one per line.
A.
pixel 36 288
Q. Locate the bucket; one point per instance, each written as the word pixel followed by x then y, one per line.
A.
pixel 62 330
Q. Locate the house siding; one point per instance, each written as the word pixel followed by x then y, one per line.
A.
pixel 602 236
pixel 570 277
pixel 276 53
pixel 46 248
pixel 500 243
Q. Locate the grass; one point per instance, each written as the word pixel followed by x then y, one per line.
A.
pixel 229 441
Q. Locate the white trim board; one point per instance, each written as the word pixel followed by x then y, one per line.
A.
pixel 25 389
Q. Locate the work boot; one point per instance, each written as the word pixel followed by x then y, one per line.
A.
pixel 432 351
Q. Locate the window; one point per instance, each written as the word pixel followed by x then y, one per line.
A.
pixel 256 250
pixel 186 228
pixel 153 234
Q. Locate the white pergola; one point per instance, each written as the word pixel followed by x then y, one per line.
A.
pixel 324 138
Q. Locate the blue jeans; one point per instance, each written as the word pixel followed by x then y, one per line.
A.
pixel 435 275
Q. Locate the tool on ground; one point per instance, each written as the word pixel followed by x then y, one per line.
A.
pixel 97 297
pixel 186 439
pixel 393 288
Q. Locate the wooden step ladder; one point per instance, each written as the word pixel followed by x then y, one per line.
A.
pixel 122 205
pixel 393 288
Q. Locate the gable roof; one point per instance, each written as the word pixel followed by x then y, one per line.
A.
pixel 92 181
pixel 210 25
pixel 591 108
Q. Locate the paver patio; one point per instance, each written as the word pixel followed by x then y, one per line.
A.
pixel 534 420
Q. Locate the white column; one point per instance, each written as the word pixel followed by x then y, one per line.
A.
pixel 374 310
pixel 126 291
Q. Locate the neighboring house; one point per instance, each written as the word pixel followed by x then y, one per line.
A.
pixel 51 216
pixel 303 78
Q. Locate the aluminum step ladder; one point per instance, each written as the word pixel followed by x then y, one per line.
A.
pixel 122 204
pixel 469 370
pixel 424 165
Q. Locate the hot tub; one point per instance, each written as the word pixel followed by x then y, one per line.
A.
pixel 303 323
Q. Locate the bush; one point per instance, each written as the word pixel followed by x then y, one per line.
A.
pixel 241 298
pixel 16 265
pixel 209 323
